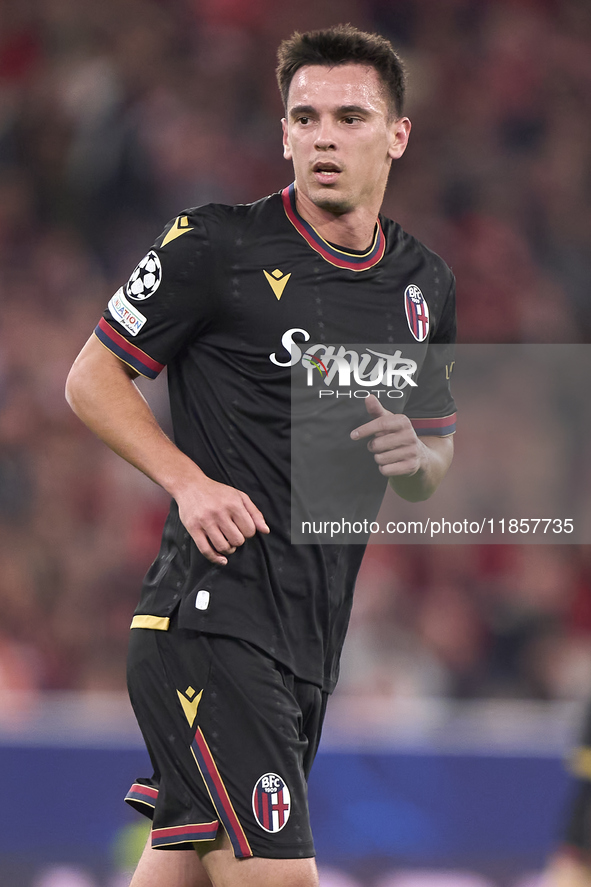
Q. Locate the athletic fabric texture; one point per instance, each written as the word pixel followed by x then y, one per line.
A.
pixel 232 736
pixel 234 301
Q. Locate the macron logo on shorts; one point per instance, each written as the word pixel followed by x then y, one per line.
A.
pixel 271 802
pixel 190 700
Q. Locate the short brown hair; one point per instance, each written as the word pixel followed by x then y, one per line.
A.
pixel 340 45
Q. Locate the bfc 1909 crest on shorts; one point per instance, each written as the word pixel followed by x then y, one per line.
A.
pixel 271 802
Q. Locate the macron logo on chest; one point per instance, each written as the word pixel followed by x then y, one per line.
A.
pixel 277 280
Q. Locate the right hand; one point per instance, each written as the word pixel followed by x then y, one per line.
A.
pixel 219 518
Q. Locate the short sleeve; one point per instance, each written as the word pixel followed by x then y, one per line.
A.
pixel 168 300
pixel 431 407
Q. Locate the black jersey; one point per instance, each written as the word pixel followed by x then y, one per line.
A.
pixel 228 299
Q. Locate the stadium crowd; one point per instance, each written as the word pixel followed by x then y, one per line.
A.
pixel 116 115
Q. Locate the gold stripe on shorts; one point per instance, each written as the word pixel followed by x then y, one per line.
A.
pixel 580 762
pixel 159 623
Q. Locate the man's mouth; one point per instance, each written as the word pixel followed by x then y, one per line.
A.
pixel 326 172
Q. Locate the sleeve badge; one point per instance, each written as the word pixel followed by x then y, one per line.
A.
pixel 146 278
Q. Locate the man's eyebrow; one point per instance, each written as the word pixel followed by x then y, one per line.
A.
pixel 301 109
pixel 342 109
pixel 353 109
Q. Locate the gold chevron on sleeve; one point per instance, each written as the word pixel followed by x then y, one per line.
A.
pixel 181 226
pixel 190 702
pixel 277 281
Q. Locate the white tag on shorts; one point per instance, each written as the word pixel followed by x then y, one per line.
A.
pixel 202 599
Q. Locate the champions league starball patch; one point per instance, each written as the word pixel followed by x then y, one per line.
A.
pixel 271 802
pixel 146 278
pixel 417 312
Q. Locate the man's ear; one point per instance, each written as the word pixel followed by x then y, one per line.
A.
pixel 399 133
pixel 286 147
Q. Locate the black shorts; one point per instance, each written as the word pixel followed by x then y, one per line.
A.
pixel 231 735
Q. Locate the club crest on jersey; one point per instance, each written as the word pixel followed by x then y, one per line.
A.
pixel 417 312
pixel 146 278
pixel 271 802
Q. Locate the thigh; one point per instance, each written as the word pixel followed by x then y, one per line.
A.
pixel 227 871
pixel 180 869
pixel 226 733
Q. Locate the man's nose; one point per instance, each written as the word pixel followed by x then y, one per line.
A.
pixel 325 136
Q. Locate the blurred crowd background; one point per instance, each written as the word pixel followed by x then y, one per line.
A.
pixel 116 115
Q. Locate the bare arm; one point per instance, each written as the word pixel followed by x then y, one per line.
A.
pixel 415 466
pixel 101 391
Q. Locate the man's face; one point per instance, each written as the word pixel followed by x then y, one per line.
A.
pixel 340 137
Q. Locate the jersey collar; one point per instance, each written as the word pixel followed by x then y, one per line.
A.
pixel 339 257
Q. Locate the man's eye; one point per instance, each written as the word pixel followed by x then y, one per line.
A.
pixel 350 120
pixel 303 120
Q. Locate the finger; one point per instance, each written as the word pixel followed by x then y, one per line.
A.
pixel 374 407
pixel 366 430
pixel 218 538
pixel 406 468
pixel 392 441
pixel 408 455
pixel 243 520
pixel 204 546
pixel 231 532
pixel 234 524
pixel 256 515
pixel 385 424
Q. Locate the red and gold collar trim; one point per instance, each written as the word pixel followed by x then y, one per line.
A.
pixel 339 257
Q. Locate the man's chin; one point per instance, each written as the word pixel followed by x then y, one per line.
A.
pixel 331 201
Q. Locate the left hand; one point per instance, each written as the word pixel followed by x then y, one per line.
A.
pixel 395 446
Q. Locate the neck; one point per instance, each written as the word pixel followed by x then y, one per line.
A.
pixel 352 230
